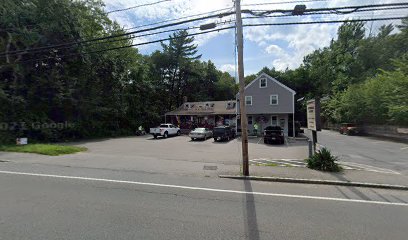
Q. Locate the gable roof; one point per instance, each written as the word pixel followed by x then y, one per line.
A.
pixel 219 108
pixel 270 78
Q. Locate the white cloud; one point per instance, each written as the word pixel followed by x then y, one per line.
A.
pixel 285 46
pixel 228 68
pixel 274 49
pixel 166 11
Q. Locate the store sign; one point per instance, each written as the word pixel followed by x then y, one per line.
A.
pixel 313 115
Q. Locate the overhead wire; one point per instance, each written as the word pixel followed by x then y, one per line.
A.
pixel 286 2
pixel 326 21
pixel 121 35
pixel 132 45
pixel 176 19
pixel 137 6
pixel 263 14
pixel 223 29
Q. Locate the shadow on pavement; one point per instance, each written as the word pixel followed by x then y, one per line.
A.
pixel 341 177
pixel 250 220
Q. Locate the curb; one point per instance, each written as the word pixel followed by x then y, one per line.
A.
pixel 317 181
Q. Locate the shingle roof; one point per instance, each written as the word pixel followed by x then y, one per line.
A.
pixel 205 108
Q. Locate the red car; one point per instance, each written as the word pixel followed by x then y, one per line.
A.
pixel 350 129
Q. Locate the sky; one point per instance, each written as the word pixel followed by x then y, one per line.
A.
pixel 279 47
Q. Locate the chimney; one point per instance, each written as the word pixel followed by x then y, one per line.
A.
pixel 184 99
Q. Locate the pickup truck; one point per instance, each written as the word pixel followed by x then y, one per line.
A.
pixel 165 130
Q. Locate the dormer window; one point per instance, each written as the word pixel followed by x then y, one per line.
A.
pixel 262 83
pixel 186 106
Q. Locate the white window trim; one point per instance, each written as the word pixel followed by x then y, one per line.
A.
pixel 246 100
pixel 260 81
pixel 277 99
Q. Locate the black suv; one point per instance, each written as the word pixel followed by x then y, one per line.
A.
pixel 223 133
pixel 274 134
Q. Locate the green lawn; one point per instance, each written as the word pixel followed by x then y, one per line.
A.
pixel 45 149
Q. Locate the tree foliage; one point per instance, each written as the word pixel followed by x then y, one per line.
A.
pixel 360 77
pixel 96 91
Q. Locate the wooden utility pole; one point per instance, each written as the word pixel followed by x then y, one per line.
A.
pixel 244 122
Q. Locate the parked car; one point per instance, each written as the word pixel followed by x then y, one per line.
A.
pixel 350 129
pixel 200 133
pixel 165 130
pixel 274 134
pixel 223 133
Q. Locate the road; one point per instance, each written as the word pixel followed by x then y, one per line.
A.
pixel 365 150
pixel 56 202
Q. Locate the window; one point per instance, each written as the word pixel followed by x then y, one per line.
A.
pixel 262 83
pixel 274 120
pixel 249 120
pixel 273 100
pixel 248 100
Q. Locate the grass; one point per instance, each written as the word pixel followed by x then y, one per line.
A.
pixel 45 149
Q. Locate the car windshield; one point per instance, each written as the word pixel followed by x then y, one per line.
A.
pixel 219 130
pixel 199 130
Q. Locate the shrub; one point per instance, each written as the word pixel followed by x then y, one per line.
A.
pixel 323 160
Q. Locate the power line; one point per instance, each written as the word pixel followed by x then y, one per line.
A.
pixel 333 9
pixel 322 22
pixel 137 6
pixel 176 19
pixel 118 35
pixel 329 12
pixel 138 36
pixel 264 13
pixel 276 3
pixel 131 45
pixel 223 29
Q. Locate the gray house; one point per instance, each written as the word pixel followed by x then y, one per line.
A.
pixel 269 103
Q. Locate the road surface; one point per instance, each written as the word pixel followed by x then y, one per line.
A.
pixel 56 202
pixel 365 150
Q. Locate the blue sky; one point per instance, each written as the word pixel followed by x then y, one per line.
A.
pixel 272 46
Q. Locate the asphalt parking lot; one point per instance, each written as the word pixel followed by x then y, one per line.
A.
pixel 183 148
pixel 174 155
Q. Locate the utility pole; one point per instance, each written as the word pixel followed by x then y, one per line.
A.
pixel 244 122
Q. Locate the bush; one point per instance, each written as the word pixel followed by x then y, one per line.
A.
pixel 323 160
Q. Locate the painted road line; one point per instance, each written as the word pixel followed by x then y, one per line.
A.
pixel 403 148
pixel 205 189
pixel 370 168
pixel 257 162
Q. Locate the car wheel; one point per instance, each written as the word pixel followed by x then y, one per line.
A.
pixel 165 135
pixel 265 141
pixel 178 133
pixel 192 139
pixel 215 139
pixel 155 136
